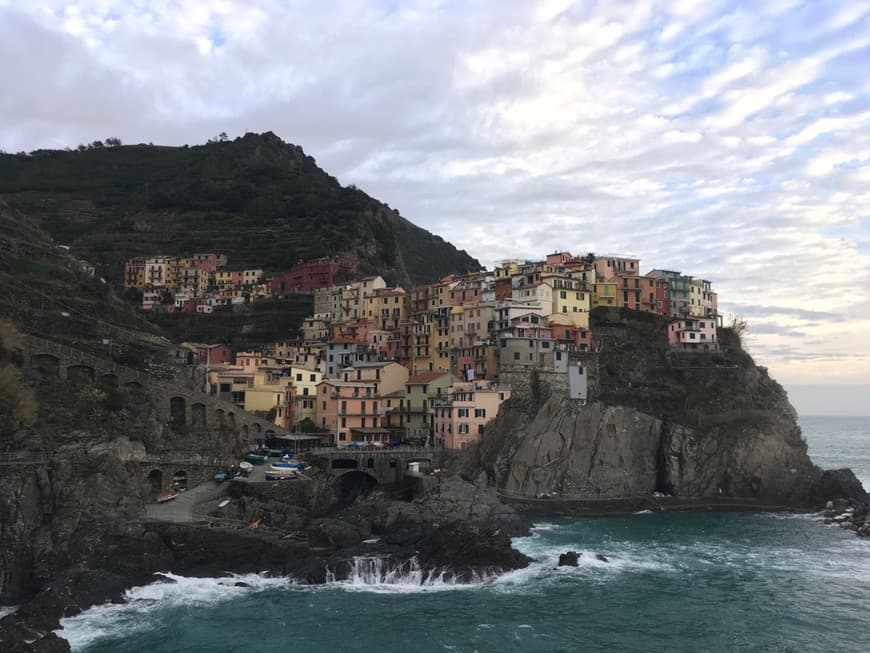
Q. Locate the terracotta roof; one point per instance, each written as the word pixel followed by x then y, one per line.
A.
pixel 426 377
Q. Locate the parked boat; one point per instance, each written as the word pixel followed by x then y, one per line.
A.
pixel 284 465
pixel 281 473
pixel 220 477
pixel 169 495
pixel 245 467
pixel 255 459
pixel 281 476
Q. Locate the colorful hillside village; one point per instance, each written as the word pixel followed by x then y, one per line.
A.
pixel 432 364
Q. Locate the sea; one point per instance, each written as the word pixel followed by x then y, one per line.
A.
pixel 676 582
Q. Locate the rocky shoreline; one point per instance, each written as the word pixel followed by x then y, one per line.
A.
pixel 453 526
pixel 453 529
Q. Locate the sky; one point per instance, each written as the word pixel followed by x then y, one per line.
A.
pixel 727 140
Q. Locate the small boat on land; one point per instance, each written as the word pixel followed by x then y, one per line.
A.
pixel 245 467
pixel 224 503
pixel 255 459
pixel 281 475
pixel 284 465
pixel 220 477
pixel 169 495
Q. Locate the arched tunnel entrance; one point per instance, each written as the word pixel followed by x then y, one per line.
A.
pixel 352 486
pixel 155 480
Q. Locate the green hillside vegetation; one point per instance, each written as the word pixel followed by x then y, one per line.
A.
pixel 247 327
pixel 44 292
pixel 260 201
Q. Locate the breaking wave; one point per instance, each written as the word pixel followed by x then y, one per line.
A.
pixel 380 575
pixel 140 603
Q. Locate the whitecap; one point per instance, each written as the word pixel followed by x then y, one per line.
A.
pixel 121 619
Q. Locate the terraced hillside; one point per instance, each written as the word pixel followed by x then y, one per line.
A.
pixel 261 201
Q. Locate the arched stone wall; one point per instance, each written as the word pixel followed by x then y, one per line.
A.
pixel 155 480
pixel 80 374
pixel 177 411
pixel 198 416
pixel 45 364
pixel 109 380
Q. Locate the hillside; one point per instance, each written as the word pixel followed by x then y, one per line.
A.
pixel 262 202
pixel 46 292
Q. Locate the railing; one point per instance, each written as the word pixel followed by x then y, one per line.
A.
pixel 366 451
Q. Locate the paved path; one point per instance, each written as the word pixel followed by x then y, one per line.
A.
pixel 181 509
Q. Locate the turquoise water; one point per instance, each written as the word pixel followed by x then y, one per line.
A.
pixel 675 582
pixel 839 442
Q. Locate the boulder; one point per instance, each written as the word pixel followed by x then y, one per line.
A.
pixel 333 533
pixel 601 557
pixel 569 559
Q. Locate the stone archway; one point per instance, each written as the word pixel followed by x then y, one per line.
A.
pixel 179 480
pixel 109 380
pixel 177 412
pixel 45 364
pixel 198 416
pixel 155 481
pixel 219 417
pixel 80 374
pixel 354 485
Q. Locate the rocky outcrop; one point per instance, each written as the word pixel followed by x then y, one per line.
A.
pixel 709 430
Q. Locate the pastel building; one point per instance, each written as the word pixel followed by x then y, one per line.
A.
pixel 416 410
pixel 460 418
pixel 691 334
pixel 353 406
pixel 608 267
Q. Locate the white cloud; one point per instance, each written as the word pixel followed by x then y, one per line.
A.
pixel 728 140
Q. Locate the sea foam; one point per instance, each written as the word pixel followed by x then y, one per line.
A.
pixel 378 575
pixel 113 619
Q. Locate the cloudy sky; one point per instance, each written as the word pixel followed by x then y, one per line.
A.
pixel 728 140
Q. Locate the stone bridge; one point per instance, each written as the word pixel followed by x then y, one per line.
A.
pixel 385 466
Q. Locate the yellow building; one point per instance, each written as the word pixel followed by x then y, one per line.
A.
pixel 387 308
pixel 570 302
pixel 604 293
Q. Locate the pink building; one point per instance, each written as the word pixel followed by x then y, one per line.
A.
pixel 693 334
pixel 559 258
pixel 205 262
pixel 607 267
pixel 460 418
pixel 151 298
pixel 347 406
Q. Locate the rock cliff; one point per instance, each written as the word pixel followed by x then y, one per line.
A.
pixel 693 426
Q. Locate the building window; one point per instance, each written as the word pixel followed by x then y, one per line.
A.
pixel 480 412
pixel 516 355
